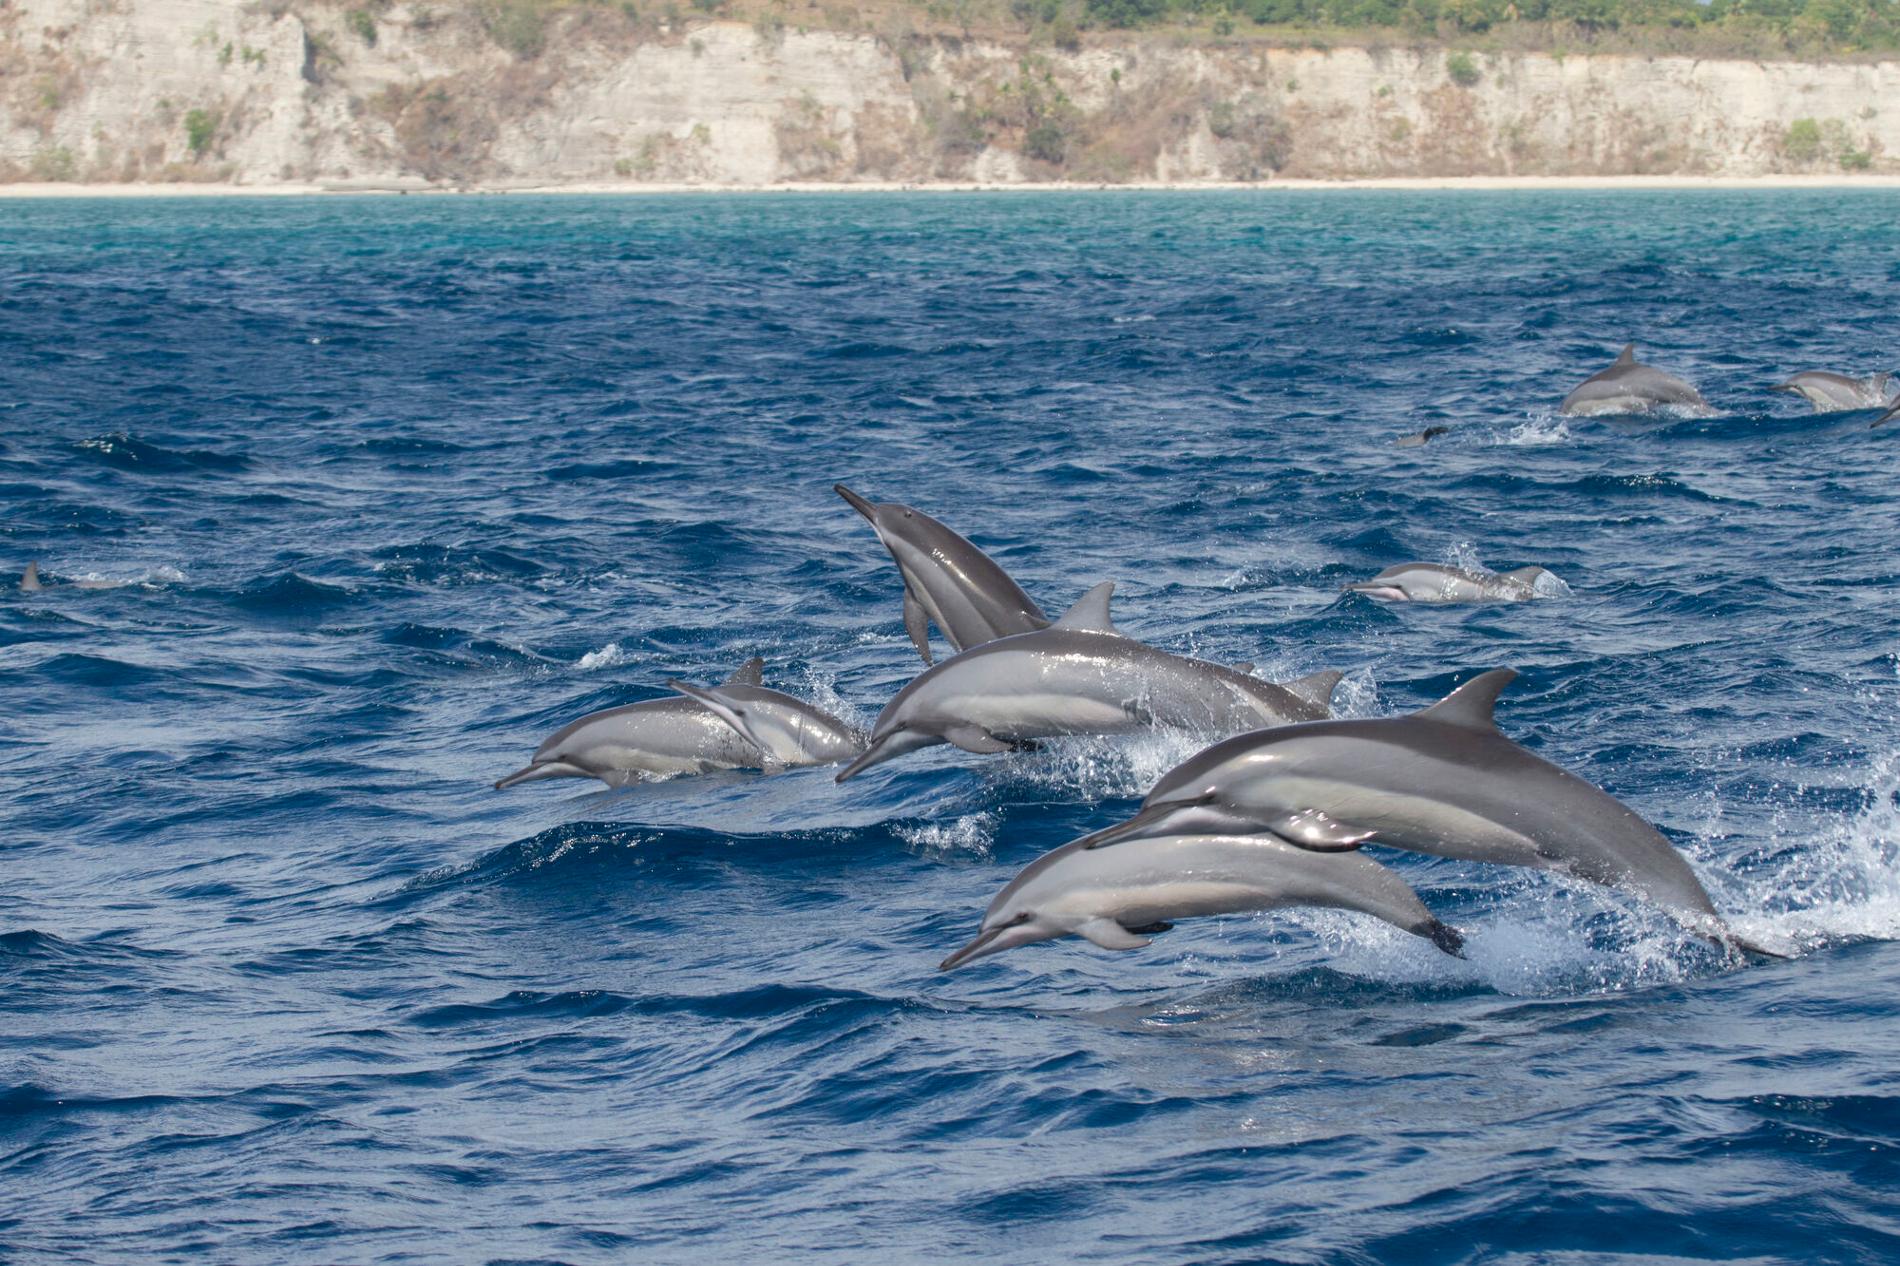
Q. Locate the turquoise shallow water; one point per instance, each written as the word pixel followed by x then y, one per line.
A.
pixel 397 486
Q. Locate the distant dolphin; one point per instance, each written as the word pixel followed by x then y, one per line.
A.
pixel 1435 582
pixel 1833 393
pixel 1419 438
pixel 947 580
pixel 1119 897
pixel 1079 676
pixel 1442 781
pixel 30 581
pixel 788 731
pixel 1630 387
pixel 676 735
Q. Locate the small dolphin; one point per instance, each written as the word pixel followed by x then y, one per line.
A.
pixel 1833 393
pixel 1119 897
pixel 1079 676
pixel 30 581
pixel 1435 582
pixel 1418 439
pixel 788 731
pixel 675 735
pixel 1630 387
pixel 947 580
pixel 1443 781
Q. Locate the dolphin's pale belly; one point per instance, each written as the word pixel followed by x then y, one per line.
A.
pixel 1042 697
pixel 1425 819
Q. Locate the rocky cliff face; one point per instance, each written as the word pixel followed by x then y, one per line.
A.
pixel 166 90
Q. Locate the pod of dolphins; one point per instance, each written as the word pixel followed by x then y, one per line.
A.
pixel 1270 816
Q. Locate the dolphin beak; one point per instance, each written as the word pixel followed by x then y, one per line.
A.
pixel 535 773
pixel 1784 386
pixel 858 503
pixel 1888 416
pixel 890 747
pixel 994 941
pixel 1372 589
pixel 1134 828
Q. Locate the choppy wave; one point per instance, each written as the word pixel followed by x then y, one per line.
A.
pixel 368 496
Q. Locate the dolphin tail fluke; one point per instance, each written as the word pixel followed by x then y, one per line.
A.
pixel 535 773
pixel 1445 937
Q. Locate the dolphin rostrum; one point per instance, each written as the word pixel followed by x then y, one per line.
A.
pixel 1443 781
pixel 1832 393
pixel 1628 386
pixel 1079 676
pixel 788 731
pixel 1435 582
pixel 1888 416
pixel 675 735
pixel 1119 897
pixel 947 580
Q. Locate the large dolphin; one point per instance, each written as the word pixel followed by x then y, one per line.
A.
pixel 1442 781
pixel 788 731
pixel 1119 897
pixel 1435 582
pixel 1079 676
pixel 675 735
pixel 1630 387
pixel 1833 393
pixel 947 580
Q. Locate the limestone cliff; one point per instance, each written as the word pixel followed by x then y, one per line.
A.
pixel 257 93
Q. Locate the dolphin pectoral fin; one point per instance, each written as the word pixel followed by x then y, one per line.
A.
pixel 916 623
pixel 974 738
pixel 1471 704
pixel 1314 831
pixel 1753 948
pixel 1317 687
pixel 1150 929
pixel 1110 935
pixel 1445 937
pixel 726 709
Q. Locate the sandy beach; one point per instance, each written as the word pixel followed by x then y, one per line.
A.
pixel 1433 183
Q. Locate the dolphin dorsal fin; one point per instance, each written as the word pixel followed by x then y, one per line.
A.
pixel 30 582
pixel 1528 575
pixel 1470 705
pixel 1317 687
pixel 750 673
pixel 1091 612
pixel 1627 356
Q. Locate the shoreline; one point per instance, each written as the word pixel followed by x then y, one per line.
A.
pixel 1402 183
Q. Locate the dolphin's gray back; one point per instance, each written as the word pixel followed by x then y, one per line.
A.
pixel 1828 392
pixel 1456 791
pixel 672 731
pixel 1183 876
pixel 1629 384
pixel 1113 683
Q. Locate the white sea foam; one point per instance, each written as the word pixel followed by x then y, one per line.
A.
pixel 608 656
pixel 973 834
pixel 1537 432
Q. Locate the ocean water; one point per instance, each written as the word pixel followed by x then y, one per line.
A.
pixel 373 494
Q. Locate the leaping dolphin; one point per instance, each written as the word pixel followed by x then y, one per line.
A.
pixel 1443 781
pixel 947 580
pixel 1833 393
pixel 681 735
pixel 1119 897
pixel 1628 386
pixel 1079 676
pixel 1435 582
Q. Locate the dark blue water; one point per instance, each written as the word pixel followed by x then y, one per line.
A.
pixel 391 488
